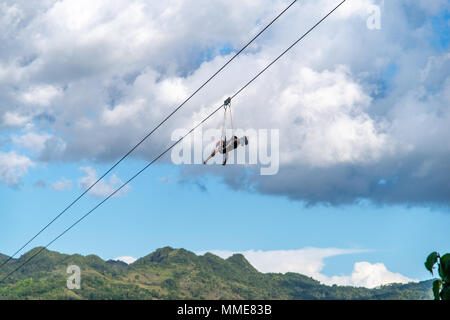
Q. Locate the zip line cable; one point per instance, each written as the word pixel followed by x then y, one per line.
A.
pixel 171 146
pixel 148 135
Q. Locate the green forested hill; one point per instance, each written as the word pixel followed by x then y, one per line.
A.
pixel 176 274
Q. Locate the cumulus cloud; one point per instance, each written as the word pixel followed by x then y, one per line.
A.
pixel 310 262
pixel 108 73
pixel 126 259
pixel 12 119
pixel 366 274
pixel 41 95
pixel 306 261
pixel 31 140
pixel 62 185
pixel 104 187
pixel 13 167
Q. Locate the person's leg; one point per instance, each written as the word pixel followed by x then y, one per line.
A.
pixel 211 155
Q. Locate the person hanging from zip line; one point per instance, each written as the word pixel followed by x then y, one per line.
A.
pixel 224 146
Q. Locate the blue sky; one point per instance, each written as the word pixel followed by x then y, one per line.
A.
pixel 378 195
pixel 154 214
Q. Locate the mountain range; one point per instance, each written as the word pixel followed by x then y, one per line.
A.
pixel 169 273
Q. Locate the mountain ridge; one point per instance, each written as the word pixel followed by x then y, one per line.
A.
pixel 169 273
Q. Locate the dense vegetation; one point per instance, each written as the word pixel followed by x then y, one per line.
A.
pixel 177 274
pixel 441 287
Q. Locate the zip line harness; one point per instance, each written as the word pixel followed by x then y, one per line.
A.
pixel 226 106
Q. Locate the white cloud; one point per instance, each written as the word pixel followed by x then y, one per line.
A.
pixel 32 141
pixel 366 274
pixel 310 262
pixel 13 167
pixel 41 95
pixel 334 127
pixel 126 259
pixel 107 73
pixel 306 261
pixel 63 184
pixel 10 17
pixel 124 113
pixel 10 73
pixel 104 187
pixel 13 119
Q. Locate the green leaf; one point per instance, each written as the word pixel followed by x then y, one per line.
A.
pixel 431 261
pixel 436 288
pixel 444 267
